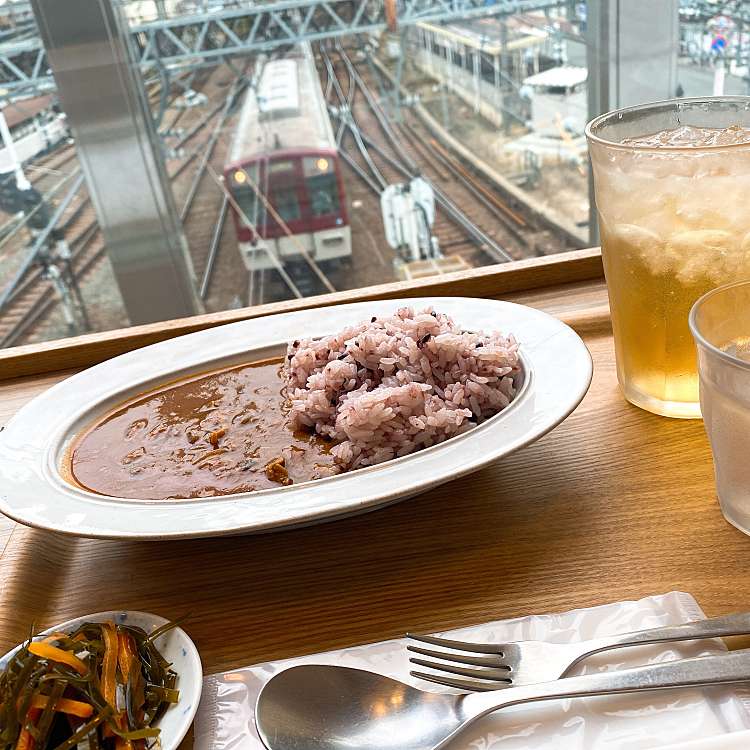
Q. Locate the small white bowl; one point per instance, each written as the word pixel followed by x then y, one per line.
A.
pixel 176 647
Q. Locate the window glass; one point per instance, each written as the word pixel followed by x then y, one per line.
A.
pixel 245 188
pixel 471 126
pixel 286 203
pixel 321 185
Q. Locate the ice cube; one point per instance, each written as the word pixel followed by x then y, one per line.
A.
pixel 703 252
pixel 689 136
pixel 643 240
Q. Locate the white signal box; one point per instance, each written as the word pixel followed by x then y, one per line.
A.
pixel 408 215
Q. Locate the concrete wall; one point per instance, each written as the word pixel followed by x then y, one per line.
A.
pixel 646 52
pixel 632 52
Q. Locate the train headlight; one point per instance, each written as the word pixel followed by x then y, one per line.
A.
pixel 322 164
pixel 240 177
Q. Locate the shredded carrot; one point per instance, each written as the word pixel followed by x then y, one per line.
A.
pixel 109 664
pixel 25 740
pixel 110 687
pixel 45 651
pixel 120 742
pixel 65 706
pixel 125 654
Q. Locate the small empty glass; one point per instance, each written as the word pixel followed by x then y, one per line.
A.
pixel 720 324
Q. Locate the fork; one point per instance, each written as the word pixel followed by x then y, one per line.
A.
pixel 491 666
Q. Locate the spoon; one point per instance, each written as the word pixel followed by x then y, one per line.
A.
pixel 316 707
pixel 176 647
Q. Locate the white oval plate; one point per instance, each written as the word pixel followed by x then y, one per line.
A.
pixel 176 647
pixel 557 374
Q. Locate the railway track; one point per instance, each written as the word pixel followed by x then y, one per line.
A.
pixel 34 297
pixel 528 231
pixel 294 277
pixel 446 171
pixel 203 202
pixel 50 165
pixel 411 148
pixel 46 171
pixel 385 154
pixel 36 300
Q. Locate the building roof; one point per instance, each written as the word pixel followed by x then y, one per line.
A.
pixel 565 77
pixel 24 109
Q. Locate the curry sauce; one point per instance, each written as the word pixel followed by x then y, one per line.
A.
pixel 212 435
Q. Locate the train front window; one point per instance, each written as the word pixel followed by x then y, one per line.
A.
pixel 321 184
pixel 286 203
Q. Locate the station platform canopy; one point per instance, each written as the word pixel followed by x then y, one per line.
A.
pixel 564 78
pixel 484 34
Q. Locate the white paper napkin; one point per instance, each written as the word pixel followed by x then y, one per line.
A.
pixel 734 741
pixel 666 720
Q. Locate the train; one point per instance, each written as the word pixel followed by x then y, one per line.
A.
pixel 36 126
pixel 283 175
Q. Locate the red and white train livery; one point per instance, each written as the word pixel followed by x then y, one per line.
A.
pixel 283 171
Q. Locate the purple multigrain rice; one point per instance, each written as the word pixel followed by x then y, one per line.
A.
pixel 409 381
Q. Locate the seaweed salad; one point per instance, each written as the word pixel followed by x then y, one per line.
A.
pixel 102 686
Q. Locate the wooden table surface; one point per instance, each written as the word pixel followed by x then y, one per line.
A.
pixel 615 503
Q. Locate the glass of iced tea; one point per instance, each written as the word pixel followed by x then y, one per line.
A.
pixel 672 183
pixel 720 323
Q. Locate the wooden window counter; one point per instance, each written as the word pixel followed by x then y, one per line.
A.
pixel 615 503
